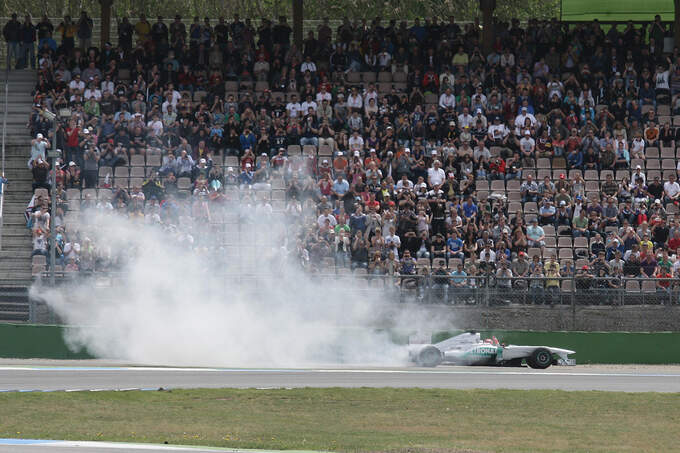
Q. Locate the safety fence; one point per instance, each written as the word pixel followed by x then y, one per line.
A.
pixel 448 289
pixel 49 342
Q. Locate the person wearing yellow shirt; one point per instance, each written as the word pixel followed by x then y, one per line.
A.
pixel 460 58
pixel 646 244
pixel 68 32
pixel 552 286
pixel 143 29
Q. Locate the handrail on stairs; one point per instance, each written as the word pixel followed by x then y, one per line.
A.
pixel 3 181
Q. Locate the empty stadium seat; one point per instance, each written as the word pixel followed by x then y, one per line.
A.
pixel 137 160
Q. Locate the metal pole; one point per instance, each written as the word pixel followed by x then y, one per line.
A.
pixel 4 127
pixel 53 231
pixel 573 300
pixel 4 120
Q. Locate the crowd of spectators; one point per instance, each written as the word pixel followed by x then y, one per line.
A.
pixel 392 148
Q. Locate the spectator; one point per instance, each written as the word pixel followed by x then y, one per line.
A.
pixel 12 32
pixel 28 37
pixel 535 235
pixel 68 31
pixel 85 26
pixel 391 159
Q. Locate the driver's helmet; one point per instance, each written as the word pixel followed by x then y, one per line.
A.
pixel 488 341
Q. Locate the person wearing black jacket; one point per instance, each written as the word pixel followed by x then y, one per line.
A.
pixel 40 170
pixel 12 34
pixel 28 35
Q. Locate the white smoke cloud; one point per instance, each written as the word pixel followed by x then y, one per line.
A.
pixel 170 306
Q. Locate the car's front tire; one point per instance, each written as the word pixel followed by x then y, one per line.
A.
pixel 540 359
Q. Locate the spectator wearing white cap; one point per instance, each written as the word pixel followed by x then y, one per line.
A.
pixel 247 175
pixel 638 173
pixel 527 146
pixel 38 146
pixel 637 147
pixel 479 116
pixel 520 119
pixel 435 174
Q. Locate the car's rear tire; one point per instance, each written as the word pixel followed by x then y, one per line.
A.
pixel 429 356
pixel 540 359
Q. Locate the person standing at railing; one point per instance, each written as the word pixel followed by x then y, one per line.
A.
pixel 85 26
pixel 440 280
pixel 28 35
pixel 68 32
pixel 125 33
pixel 663 275
pixel 12 34
pixel 44 29
pixel 143 30
pixel 536 284
pixel 552 286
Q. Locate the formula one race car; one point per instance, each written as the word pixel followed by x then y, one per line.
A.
pixel 469 349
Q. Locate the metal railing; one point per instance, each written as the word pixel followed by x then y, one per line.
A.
pixel 478 290
pixel 3 187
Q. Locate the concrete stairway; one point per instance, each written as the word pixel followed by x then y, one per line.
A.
pixel 15 254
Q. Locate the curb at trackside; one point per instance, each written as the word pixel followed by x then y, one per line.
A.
pixel 142 446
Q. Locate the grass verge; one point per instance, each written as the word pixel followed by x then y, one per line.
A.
pixel 341 419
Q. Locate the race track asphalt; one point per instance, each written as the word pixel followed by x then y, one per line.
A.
pixel 17 376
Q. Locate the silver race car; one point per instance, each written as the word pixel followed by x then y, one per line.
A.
pixel 469 349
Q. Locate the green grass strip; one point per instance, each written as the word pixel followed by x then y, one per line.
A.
pixel 364 419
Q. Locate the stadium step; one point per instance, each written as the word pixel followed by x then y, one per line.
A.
pixel 15 316
pixel 14 304
pixel 15 256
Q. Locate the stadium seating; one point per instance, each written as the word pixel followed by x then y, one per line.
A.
pixel 235 168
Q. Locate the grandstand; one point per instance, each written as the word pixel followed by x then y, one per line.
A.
pixel 459 170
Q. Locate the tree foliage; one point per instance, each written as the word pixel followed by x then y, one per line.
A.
pixel 463 10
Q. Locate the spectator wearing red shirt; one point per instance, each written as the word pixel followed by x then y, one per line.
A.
pixel 663 273
pixel 326 185
pixel 674 242
pixel 325 168
pixel 497 168
pixel 340 163
pixel 72 137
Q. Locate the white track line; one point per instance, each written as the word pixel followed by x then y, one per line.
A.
pixel 486 372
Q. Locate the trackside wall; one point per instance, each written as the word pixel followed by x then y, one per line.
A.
pixel 26 341
pixel 47 342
